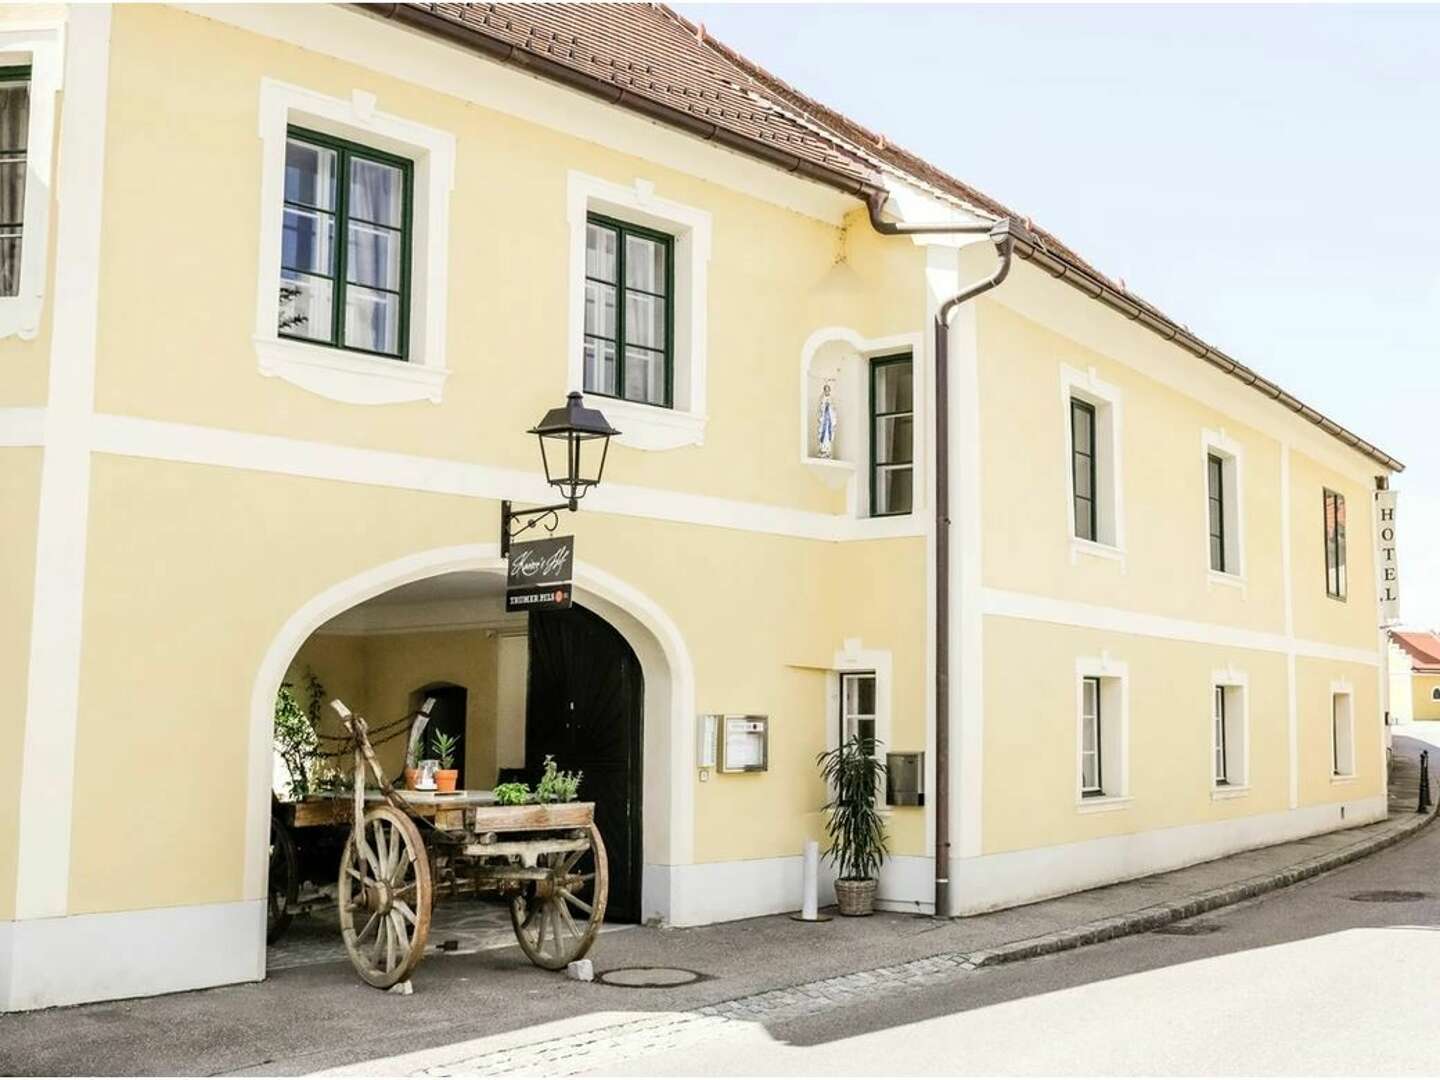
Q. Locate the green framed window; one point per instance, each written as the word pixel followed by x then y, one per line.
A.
pixel 1082 468
pixel 1215 471
pixel 1335 581
pixel 629 312
pixel 892 435
pixel 14 139
pixel 345 253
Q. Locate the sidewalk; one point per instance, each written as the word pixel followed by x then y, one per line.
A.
pixel 493 1012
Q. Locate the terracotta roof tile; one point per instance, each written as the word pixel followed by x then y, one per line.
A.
pixel 1423 647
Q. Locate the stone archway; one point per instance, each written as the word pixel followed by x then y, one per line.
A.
pixel 669 702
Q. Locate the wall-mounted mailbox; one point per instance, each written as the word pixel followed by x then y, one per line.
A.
pixel 905 779
pixel 745 744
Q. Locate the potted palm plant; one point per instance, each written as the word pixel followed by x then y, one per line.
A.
pixel 444 746
pixel 858 846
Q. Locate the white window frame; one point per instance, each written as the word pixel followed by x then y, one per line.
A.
pixel 1342 751
pixel 854 658
pixel 1232 478
pixel 1235 686
pixel 1114 679
pixel 647 427
pixel 39 46
pixel 1105 399
pixel 1435 693
pixel 341 374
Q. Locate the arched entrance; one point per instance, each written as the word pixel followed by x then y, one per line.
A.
pixel 665 673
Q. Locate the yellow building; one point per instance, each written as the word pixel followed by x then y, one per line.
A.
pixel 1154 640
pixel 1414 665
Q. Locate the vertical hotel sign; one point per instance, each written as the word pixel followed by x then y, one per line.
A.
pixel 1386 556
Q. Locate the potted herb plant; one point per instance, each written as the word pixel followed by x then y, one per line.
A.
pixel 443 745
pixel 853 774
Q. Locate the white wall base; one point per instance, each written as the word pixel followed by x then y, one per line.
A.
pixel 77 958
pixel 990 882
pixel 745 888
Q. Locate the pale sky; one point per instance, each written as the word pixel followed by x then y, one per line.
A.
pixel 1265 175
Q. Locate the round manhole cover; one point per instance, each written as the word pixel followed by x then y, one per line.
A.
pixel 1389 896
pixel 648 976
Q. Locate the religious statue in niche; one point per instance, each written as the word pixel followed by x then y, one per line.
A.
pixel 825 420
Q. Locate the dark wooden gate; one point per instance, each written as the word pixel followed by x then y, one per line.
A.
pixel 585 706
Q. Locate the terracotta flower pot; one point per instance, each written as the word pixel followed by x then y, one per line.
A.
pixel 445 779
pixel 411 775
pixel 855 896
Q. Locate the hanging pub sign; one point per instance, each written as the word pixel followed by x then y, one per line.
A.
pixel 1386 556
pixel 539 574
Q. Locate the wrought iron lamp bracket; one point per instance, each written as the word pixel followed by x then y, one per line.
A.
pixel 546 516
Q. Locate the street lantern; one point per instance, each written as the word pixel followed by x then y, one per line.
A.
pixel 574 442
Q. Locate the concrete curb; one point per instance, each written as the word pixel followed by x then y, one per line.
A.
pixel 1157 915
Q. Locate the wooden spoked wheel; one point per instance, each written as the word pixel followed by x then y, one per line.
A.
pixel 284 881
pixel 384 897
pixel 557 917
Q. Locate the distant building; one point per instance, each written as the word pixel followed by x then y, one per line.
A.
pixel 1414 675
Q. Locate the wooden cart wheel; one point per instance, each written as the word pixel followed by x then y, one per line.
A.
pixel 284 881
pixel 384 897
pixel 556 919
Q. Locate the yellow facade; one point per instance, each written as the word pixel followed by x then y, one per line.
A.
pixel 747 573
pixel 1423 696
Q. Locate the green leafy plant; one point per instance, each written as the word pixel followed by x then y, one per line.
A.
pixel 853 774
pixel 443 746
pixel 556 786
pixel 296 733
pixel 512 794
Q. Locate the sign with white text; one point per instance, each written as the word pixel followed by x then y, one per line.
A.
pixel 539 574
pixel 1387 557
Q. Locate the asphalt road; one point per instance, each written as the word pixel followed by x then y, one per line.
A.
pixel 1313 979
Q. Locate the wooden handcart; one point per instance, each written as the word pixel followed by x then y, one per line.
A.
pixel 548 860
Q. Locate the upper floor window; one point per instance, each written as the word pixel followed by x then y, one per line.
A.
pixel 629 313
pixel 14 139
pixel 345 249
pixel 892 436
pixel 857 705
pixel 1082 468
pixel 1334 544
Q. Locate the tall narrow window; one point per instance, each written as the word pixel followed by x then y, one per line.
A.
pixel 857 705
pixel 1082 467
pixel 14 127
pixel 1222 773
pixel 345 256
pixel 892 436
pixel 629 313
pixel 1216 469
pixel 1334 544
pixel 1342 735
pixel 1090 738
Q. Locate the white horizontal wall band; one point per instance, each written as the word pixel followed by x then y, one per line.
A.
pixel 196 445
pixel 1017 605
pixel 21 426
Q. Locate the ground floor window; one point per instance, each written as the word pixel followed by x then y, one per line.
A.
pixel 1091 743
pixel 1342 728
pixel 1228 726
pixel 857 705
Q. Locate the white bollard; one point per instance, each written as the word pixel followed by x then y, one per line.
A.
pixel 810 905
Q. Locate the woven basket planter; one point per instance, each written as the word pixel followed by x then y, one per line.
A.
pixel 855 897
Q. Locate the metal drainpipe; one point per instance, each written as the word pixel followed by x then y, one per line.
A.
pixel 1004 245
